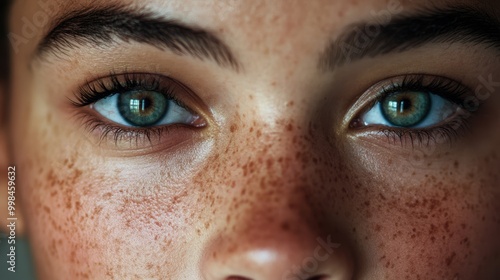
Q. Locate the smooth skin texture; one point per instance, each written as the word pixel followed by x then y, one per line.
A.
pixel 275 172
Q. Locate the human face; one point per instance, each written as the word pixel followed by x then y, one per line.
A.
pixel 278 163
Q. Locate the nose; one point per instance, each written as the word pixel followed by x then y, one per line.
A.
pixel 283 219
pixel 285 240
pixel 292 257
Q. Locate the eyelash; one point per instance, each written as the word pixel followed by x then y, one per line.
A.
pixel 92 92
pixel 449 89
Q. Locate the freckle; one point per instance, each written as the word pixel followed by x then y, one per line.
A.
pixel 449 259
pixel 233 128
pixel 285 226
pixel 269 163
pixel 455 164
pixel 107 195
pixel 251 97
pixel 289 127
pixel 97 211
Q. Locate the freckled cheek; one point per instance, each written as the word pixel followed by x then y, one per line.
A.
pixel 435 233
pixel 79 214
pixel 103 222
pixel 56 223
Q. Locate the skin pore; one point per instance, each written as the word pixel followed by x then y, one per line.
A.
pixel 276 164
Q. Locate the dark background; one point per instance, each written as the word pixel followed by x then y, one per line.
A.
pixel 24 269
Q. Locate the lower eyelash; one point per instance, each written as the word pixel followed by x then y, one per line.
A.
pixel 118 134
pixel 444 134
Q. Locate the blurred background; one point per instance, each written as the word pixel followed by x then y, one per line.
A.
pixel 24 265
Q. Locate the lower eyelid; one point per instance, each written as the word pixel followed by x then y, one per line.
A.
pixel 412 138
pixel 132 138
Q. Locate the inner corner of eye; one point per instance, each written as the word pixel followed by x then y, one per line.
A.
pixel 356 122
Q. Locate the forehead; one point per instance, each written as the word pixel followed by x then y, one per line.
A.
pixel 273 15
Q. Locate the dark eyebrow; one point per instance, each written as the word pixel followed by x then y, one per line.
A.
pixel 456 24
pixel 101 26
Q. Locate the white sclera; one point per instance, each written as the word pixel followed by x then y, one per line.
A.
pixel 440 110
pixel 108 108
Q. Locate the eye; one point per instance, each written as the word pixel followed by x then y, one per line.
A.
pixel 416 109
pixel 138 108
pixel 409 109
pixel 143 108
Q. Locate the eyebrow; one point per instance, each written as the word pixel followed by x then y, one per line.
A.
pixel 102 26
pixel 452 25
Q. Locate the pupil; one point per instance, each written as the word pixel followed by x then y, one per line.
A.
pixel 145 104
pixel 404 105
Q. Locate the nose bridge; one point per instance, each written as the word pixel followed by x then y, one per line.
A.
pixel 285 171
pixel 280 151
pixel 278 228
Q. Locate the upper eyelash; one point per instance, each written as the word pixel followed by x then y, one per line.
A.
pixel 452 90
pixel 92 92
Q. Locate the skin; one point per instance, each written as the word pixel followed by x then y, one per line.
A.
pixel 275 168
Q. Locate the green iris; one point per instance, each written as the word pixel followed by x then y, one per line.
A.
pixel 142 108
pixel 406 109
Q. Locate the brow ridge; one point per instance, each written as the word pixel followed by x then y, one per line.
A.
pixel 404 32
pixel 105 25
